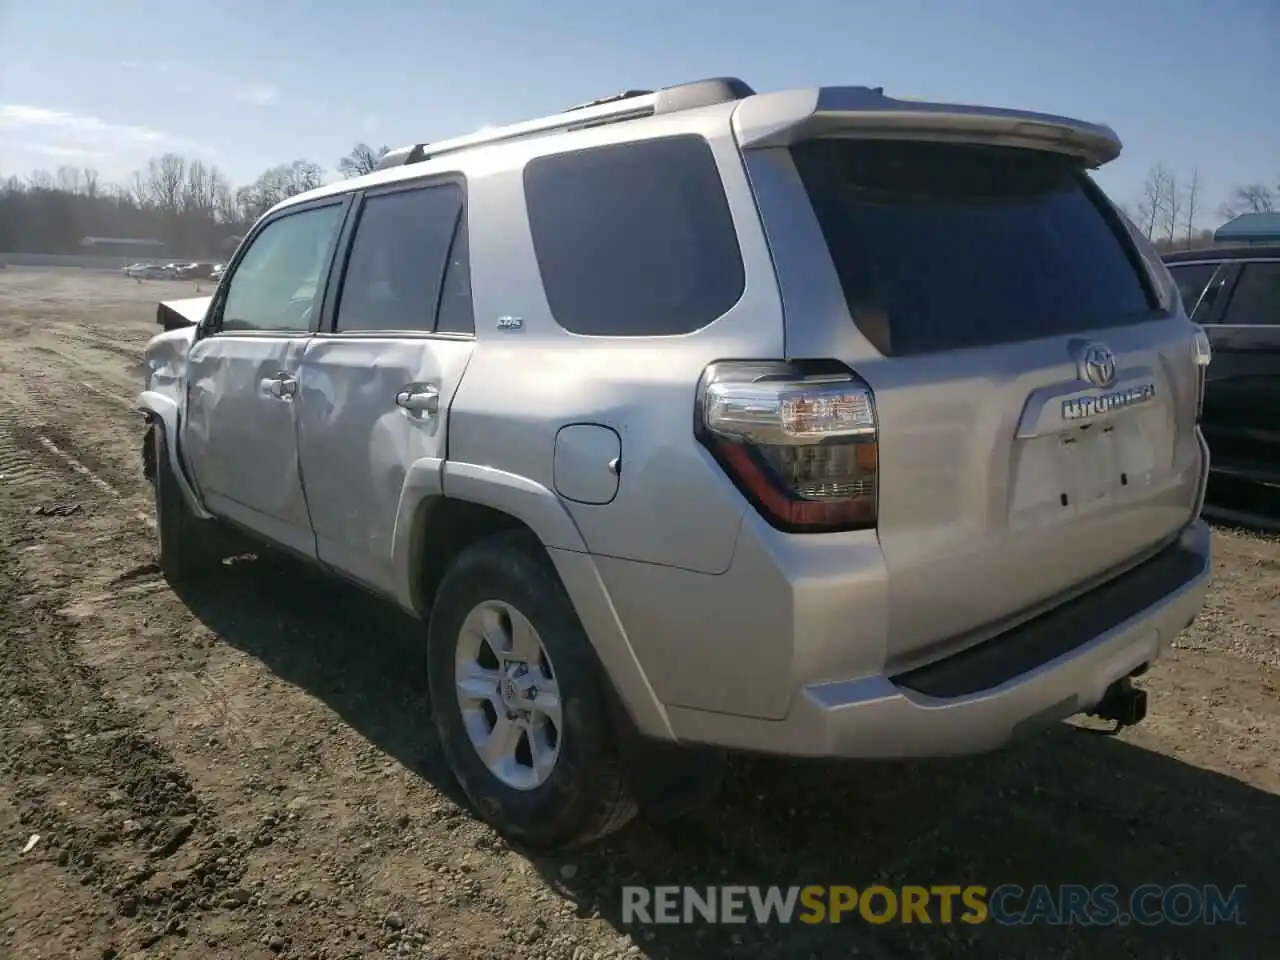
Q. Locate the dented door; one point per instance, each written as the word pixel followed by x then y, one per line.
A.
pixel 240 428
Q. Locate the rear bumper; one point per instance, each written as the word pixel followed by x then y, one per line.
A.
pixel 1057 665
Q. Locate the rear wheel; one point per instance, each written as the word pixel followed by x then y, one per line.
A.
pixel 187 546
pixel 519 701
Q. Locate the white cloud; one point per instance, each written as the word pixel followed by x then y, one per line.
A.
pixel 63 154
pixel 68 136
pixel 259 94
pixel 192 78
pixel 157 67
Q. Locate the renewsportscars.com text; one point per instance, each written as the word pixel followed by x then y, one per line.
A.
pixel 1007 904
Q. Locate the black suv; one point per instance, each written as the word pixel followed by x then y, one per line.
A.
pixel 1235 293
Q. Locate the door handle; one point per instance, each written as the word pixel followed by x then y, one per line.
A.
pixel 282 386
pixel 420 398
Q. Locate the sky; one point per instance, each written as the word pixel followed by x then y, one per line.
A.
pixel 247 85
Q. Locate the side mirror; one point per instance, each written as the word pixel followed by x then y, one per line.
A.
pixel 175 314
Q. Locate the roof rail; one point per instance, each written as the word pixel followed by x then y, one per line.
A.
pixel 616 108
pixel 612 98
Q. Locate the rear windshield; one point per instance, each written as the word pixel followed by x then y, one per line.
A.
pixel 943 246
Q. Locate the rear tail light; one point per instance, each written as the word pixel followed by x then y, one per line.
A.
pixel 799 439
pixel 1203 354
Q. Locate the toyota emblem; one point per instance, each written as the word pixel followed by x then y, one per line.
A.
pixel 1099 365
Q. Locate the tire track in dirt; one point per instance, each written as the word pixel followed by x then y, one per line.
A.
pixel 83 375
pixel 131 353
pixel 111 807
pixel 80 432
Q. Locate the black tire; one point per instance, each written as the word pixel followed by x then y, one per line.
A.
pixel 588 794
pixel 188 547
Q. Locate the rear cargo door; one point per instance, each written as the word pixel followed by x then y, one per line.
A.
pixel 1035 397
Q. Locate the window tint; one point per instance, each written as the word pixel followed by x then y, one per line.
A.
pixel 1191 280
pixel 943 246
pixel 455 296
pixel 397 261
pixel 274 284
pixel 1256 300
pixel 634 239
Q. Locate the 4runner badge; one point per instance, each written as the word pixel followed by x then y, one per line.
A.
pixel 1082 407
pixel 511 323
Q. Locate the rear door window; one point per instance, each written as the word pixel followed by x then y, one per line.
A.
pixel 400 259
pixel 634 239
pixel 946 246
pixel 1191 279
pixel 1256 300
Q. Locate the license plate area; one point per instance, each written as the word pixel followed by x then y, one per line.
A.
pixel 1079 469
pixel 1100 461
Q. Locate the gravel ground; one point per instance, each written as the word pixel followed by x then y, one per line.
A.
pixel 247 769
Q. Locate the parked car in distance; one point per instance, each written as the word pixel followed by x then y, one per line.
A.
pixel 701 420
pixel 147 271
pixel 1234 293
pixel 216 272
pixel 195 271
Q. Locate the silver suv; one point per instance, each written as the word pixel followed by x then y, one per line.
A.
pixel 813 423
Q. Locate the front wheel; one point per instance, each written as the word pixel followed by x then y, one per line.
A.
pixel 519 701
pixel 187 547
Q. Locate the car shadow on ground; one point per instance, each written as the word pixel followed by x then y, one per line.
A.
pixel 1063 808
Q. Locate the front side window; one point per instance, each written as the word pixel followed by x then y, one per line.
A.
pixel 275 283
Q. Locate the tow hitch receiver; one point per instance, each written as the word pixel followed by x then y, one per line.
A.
pixel 1124 703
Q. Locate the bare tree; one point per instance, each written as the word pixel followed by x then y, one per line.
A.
pixel 1252 198
pixel 301 176
pixel 224 202
pixel 200 190
pixel 139 190
pixel 185 202
pixel 166 178
pixel 361 160
pixel 1171 214
pixel 1155 199
pixel 1193 197
pixel 69 179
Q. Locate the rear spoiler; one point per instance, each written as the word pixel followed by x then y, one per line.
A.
pixel 174 314
pixel 781 119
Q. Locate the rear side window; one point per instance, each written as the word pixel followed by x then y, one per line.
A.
pixel 1256 300
pixel 396 271
pixel 944 246
pixel 1191 279
pixel 634 239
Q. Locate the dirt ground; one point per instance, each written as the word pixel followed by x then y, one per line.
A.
pixel 248 770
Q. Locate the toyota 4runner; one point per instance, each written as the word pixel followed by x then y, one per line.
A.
pixel 814 423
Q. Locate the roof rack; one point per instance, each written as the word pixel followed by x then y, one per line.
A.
pixel 616 108
pixel 612 98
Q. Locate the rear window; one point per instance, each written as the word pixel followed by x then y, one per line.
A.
pixel 634 239
pixel 943 246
